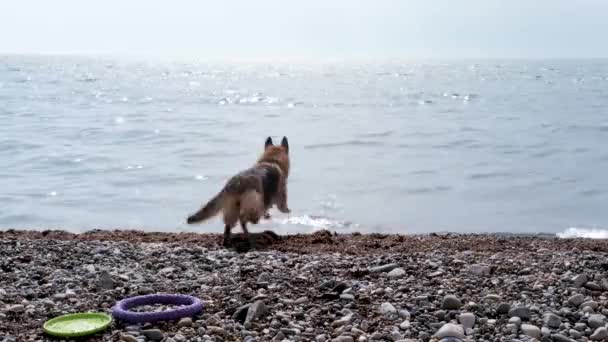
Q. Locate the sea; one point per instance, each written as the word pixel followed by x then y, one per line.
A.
pixel 407 146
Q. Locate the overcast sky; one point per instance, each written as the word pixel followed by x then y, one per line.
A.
pixel 308 29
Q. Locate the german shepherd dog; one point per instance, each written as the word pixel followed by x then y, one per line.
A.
pixel 248 195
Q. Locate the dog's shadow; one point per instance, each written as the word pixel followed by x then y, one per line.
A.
pixel 243 243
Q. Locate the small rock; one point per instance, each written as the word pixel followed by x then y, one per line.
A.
pixel 396 273
pixel 576 300
pixel 320 338
pixel 344 338
pixel 16 308
pixel 480 270
pixel 145 290
pixel 599 334
pixel 153 334
pixel 347 296
pixel 467 320
pixel 256 310
pixel 387 309
pixel 593 286
pixel 404 314
pixel 515 320
pixel 127 338
pixel 450 330
pixel 579 280
pixel 451 302
pixel 531 330
pixel 521 312
pixel 592 304
pixel 574 334
pixel 503 308
pixel 185 322
pixel 216 330
pixel 302 300
pixel 263 278
pixel 552 320
pixel 105 281
pixel 596 321
pixel 165 271
pixel 405 325
pixel 90 268
pixel 213 321
pixel 383 268
pixel 561 338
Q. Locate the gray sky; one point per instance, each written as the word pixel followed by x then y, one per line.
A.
pixel 309 29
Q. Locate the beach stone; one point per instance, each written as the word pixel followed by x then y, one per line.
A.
pixel 320 338
pixel 593 286
pixel 552 320
pixel 347 296
pixel 480 270
pixel 574 334
pixel 451 302
pixel 216 330
pixel 383 268
pixel 492 298
pixel 591 304
pixel 467 320
pixel 561 338
pixel 145 290
pixel 599 334
pixel 450 330
pixel 396 273
pixel 596 321
pixel 240 314
pixel 515 320
pixel 503 308
pixel 604 283
pixel 153 334
pixel 90 268
pixel 405 325
pixel 302 300
pixel 576 300
pixel 404 314
pixel 263 278
pixel 17 308
pixel 105 281
pixel 579 280
pixel 344 338
pixel 521 312
pixel 185 322
pixel 531 330
pixel 256 310
pixel 127 338
pixel 387 309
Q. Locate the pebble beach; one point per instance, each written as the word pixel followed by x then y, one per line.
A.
pixel 315 287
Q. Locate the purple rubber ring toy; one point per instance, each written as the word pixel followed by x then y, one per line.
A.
pixel 192 307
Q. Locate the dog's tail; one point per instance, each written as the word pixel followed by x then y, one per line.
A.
pixel 212 208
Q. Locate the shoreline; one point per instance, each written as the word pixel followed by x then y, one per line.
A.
pixel 315 287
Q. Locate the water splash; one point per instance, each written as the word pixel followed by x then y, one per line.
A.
pixel 586 233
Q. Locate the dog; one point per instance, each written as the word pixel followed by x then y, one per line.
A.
pixel 248 195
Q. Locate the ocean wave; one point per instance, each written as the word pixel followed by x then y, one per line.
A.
pixel 587 233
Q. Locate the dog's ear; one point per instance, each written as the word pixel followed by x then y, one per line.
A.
pixel 285 144
pixel 268 142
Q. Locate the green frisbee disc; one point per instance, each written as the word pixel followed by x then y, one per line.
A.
pixel 78 324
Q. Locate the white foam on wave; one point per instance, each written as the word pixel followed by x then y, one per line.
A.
pixel 586 233
pixel 315 222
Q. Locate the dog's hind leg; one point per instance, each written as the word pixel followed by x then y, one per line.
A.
pixel 231 217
